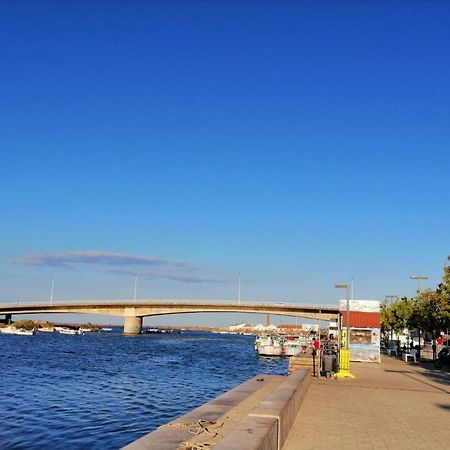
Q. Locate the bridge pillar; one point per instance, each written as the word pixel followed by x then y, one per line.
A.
pixel 132 325
pixel 8 319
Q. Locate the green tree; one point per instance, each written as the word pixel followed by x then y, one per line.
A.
pixel 396 316
pixel 401 314
pixel 444 286
pixel 431 310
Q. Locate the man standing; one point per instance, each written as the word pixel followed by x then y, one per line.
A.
pixel 316 346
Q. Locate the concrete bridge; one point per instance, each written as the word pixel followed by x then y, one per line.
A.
pixel 134 311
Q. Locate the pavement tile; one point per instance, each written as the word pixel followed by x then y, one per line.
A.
pixel 392 405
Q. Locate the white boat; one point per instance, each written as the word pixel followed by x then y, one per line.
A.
pixel 106 329
pixel 269 346
pixel 68 331
pixel 152 331
pixel 65 330
pixel 46 330
pixel 7 330
pixel 10 329
pixel 273 345
pixel 293 346
pixel 23 332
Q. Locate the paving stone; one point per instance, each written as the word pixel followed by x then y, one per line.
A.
pixel 392 405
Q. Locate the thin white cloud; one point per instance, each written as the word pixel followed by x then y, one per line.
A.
pixel 124 264
pixel 97 257
pixel 168 275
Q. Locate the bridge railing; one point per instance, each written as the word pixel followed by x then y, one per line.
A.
pixel 159 301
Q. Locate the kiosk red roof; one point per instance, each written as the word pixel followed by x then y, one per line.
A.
pixel 361 319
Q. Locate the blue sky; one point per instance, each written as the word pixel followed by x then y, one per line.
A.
pixel 297 143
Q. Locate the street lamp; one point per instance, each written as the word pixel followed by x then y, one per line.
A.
pixel 347 297
pixel 135 287
pixel 418 278
pixel 239 289
pixel 391 298
pixel 344 353
pixel 51 291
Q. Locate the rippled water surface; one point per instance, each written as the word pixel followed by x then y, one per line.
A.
pixel 105 390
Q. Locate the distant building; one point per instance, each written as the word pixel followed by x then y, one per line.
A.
pixel 240 327
pixel 289 328
pixel 300 328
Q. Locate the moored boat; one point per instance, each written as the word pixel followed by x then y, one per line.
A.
pixel 269 345
pixel 23 332
pixel 18 331
pixel 151 331
pixel 46 330
pixel 7 330
pixel 83 330
pixel 65 330
pixel 274 345
pixel 293 346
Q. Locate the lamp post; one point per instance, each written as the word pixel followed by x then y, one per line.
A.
pixel 344 353
pixel 51 291
pixel 347 327
pixel 239 289
pixel 135 287
pixel 391 298
pixel 418 278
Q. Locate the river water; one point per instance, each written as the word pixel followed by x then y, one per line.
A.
pixel 104 390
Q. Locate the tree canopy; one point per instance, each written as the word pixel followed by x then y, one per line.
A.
pixel 429 311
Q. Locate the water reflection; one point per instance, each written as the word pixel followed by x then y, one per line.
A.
pixel 105 390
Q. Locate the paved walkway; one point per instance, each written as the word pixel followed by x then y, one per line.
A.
pixel 392 405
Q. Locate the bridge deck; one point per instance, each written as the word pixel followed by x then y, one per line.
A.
pixel 154 307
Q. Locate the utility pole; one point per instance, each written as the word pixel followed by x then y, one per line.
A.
pixel 391 299
pixel 51 291
pixel 239 289
pixel 418 278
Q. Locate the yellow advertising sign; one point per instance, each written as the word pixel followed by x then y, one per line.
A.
pixel 343 338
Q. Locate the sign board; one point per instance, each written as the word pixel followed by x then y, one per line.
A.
pixel 364 342
pixel 365 353
pixel 369 306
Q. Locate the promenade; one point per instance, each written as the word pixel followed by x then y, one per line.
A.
pixel 392 405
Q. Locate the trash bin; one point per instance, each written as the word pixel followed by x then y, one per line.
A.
pixel 328 364
pixel 336 364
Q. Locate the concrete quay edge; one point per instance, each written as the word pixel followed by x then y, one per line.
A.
pixel 263 426
pixel 171 435
pixel 280 408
